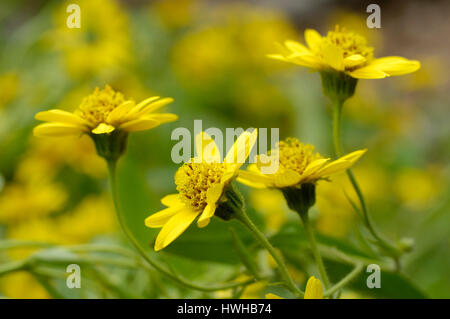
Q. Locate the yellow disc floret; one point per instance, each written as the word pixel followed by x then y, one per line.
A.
pixel 350 43
pixel 193 181
pixel 96 107
pixel 295 155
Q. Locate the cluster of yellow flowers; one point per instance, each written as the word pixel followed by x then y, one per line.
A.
pixel 205 184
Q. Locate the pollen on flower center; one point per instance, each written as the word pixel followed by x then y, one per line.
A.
pixel 193 181
pixel 295 155
pixel 96 107
pixel 349 42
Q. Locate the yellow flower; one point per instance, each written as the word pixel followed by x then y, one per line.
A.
pixel 345 52
pixel 297 165
pixel 313 289
pixel 103 112
pixel 201 184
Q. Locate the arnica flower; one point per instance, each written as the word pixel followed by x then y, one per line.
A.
pixel 343 51
pixel 299 168
pixel 104 114
pixel 203 184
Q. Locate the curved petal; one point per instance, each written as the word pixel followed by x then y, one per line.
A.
pixel 58 130
pixel 296 47
pixel 314 166
pixel 103 128
pixel 394 65
pixel 333 168
pixel 158 219
pixel 214 193
pixel 368 72
pixel 254 178
pixel 140 124
pixel 240 150
pixel 287 178
pixel 143 103
pixel 174 227
pixel 171 200
pixel 353 156
pixel 306 60
pixel 206 216
pixel 163 118
pixel 61 116
pixel 118 114
pixel 354 60
pixel 206 148
pixel 155 106
pixel 313 39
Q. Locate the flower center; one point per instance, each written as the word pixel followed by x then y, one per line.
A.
pixel 295 155
pixel 96 107
pixel 193 181
pixel 349 42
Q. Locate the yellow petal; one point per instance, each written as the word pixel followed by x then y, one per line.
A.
pixel 176 225
pixel 160 218
pixel 240 150
pixel 118 114
pixel 353 156
pixel 334 167
pixel 333 56
pixel 296 47
pixel 206 148
pixel 142 104
pixel 163 118
pixel 214 193
pixel 314 289
pixel 140 124
pixel 61 116
pixel 368 72
pixel 394 65
pixel 58 130
pixel 306 60
pixel 103 128
pixel 205 217
pixel 254 179
pixel 287 178
pixel 313 167
pixel 171 200
pixel 313 39
pixel 155 105
pixel 354 60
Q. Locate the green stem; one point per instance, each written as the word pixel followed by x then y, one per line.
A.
pixel 141 250
pixel 344 281
pixel 337 114
pixel 246 221
pixel 312 240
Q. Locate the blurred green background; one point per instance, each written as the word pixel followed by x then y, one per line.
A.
pixel 210 57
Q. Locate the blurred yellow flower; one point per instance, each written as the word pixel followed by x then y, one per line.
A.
pixel 271 205
pixel 343 51
pixel 201 183
pixel 298 164
pixel 22 285
pixel 314 289
pixel 103 112
pixel 101 45
pixel 417 188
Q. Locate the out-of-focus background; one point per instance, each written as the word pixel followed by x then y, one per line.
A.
pixel 210 57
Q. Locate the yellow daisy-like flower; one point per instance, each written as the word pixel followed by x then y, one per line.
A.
pixel 201 184
pixel 297 165
pixel 343 51
pixel 314 289
pixel 103 112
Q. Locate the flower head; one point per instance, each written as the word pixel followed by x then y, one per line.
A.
pixel 107 117
pixel 203 184
pixel 343 51
pixel 298 164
